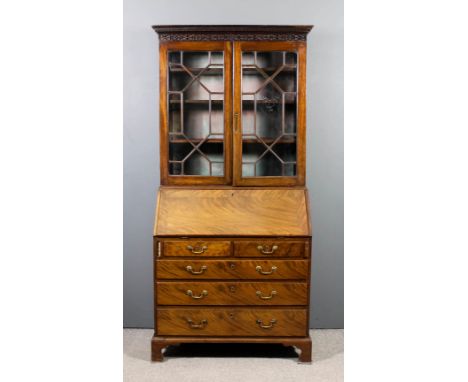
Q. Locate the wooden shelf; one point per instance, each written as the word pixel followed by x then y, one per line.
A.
pixel 197 101
pixel 249 141
pixel 196 141
pixel 265 101
pixel 212 71
pixel 269 141
pixel 248 70
pixel 219 101
pixel 219 70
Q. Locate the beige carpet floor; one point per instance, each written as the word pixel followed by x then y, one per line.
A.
pixel 233 363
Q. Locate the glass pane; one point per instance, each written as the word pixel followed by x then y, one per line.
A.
pixel 269 113
pixel 196 113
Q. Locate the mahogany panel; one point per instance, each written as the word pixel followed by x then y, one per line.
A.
pixel 231 322
pixel 232 269
pixel 197 248
pixel 231 293
pixel 231 212
pixel 269 248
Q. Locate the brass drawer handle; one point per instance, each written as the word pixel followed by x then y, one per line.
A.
pixel 189 269
pixel 197 249
pixel 260 295
pixel 260 323
pixel 203 294
pixel 266 250
pixel 258 268
pixel 200 325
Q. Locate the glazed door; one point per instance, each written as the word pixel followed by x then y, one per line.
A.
pixel 269 113
pixel 195 101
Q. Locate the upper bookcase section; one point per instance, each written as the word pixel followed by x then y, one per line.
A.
pixel 232 32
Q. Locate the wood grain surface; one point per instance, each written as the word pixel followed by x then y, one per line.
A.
pixel 269 248
pixel 231 212
pixel 232 269
pixel 231 293
pixel 198 248
pixel 231 321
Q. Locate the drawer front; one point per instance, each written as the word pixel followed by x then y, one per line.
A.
pixel 268 248
pixel 232 269
pixel 183 248
pixel 231 322
pixel 231 293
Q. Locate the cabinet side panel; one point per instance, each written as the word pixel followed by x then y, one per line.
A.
pixel 301 115
pixel 163 123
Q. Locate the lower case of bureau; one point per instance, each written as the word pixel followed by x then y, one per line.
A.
pixel 233 322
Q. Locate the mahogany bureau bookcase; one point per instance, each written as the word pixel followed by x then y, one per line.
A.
pixel 232 233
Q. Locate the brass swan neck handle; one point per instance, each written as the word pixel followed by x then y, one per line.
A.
pixel 260 295
pixel 259 269
pixel 263 326
pixel 197 249
pixel 200 325
pixel 267 250
pixel 201 295
pixel 189 269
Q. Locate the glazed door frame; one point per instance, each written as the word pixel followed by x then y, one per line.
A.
pixel 164 48
pixel 267 46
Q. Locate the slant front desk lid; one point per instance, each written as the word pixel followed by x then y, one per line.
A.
pixel 232 212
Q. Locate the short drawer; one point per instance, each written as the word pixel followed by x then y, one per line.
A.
pixel 231 293
pixel 197 248
pixel 232 269
pixel 269 248
pixel 266 322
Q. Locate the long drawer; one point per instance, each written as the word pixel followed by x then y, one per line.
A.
pixel 266 322
pixel 232 269
pixel 231 293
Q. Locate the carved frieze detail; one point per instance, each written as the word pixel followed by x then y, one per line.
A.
pixel 232 36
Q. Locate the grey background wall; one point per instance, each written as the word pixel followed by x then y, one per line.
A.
pixel 324 142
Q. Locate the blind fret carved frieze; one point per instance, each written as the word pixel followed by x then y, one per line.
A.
pixel 232 37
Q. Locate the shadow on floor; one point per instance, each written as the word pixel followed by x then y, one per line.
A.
pixel 231 350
